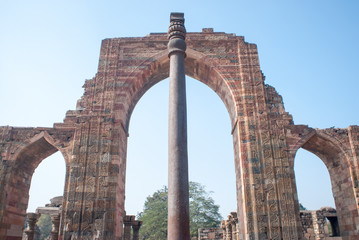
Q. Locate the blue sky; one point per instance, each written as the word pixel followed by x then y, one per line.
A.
pixel 308 51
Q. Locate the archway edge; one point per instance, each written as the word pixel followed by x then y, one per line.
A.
pixel 198 66
pixel 302 136
pixel 49 146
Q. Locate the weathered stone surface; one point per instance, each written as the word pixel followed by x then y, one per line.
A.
pixel 316 224
pixel 210 234
pixel 93 140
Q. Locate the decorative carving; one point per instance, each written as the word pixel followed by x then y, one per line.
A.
pixel 177 28
pixel 177 34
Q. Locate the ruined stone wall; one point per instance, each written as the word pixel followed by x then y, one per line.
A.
pixel 307 225
pixel 320 224
pixel 210 234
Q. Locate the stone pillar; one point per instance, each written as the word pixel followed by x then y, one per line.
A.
pixel 136 229
pixel 31 219
pixel 178 196
pixel 223 227
pixel 234 229
pixel 127 221
pixel 228 230
pixel 55 220
pixel 234 221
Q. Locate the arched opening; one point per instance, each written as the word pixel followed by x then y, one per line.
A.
pixel 17 189
pixel 336 162
pixel 47 181
pixel 46 192
pixel 333 226
pixel 210 146
pixel 313 181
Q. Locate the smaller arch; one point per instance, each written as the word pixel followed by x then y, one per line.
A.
pixel 326 148
pixel 337 160
pixel 315 141
pixel 17 185
pixel 37 149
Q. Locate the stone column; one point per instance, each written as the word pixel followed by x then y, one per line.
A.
pixel 127 221
pixel 234 232
pixel 234 221
pixel 31 219
pixel 55 220
pixel 178 197
pixel 136 229
pixel 224 230
pixel 228 230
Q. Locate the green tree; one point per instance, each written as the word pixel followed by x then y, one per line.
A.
pixel 154 216
pixel 44 224
pixel 203 212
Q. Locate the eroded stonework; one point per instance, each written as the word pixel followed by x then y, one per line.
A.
pixel 93 141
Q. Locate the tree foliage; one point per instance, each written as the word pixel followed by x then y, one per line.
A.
pixel 203 212
pixel 44 224
pixel 154 216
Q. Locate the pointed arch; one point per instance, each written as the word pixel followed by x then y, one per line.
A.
pixel 26 159
pixel 197 65
pixel 38 148
pixel 335 157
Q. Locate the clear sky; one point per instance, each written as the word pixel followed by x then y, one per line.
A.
pixel 308 51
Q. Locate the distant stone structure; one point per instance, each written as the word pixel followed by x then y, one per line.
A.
pixel 229 230
pixel 54 207
pixel 129 222
pixel 210 234
pixel 93 142
pixel 316 224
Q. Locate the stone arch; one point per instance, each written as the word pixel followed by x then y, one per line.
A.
pixel 26 159
pixel 334 155
pixel 36 149
pixel 197 66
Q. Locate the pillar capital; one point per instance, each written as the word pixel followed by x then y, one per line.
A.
pixel 136 224
pixel 177 28
pixel 177 34
pixel 128 219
